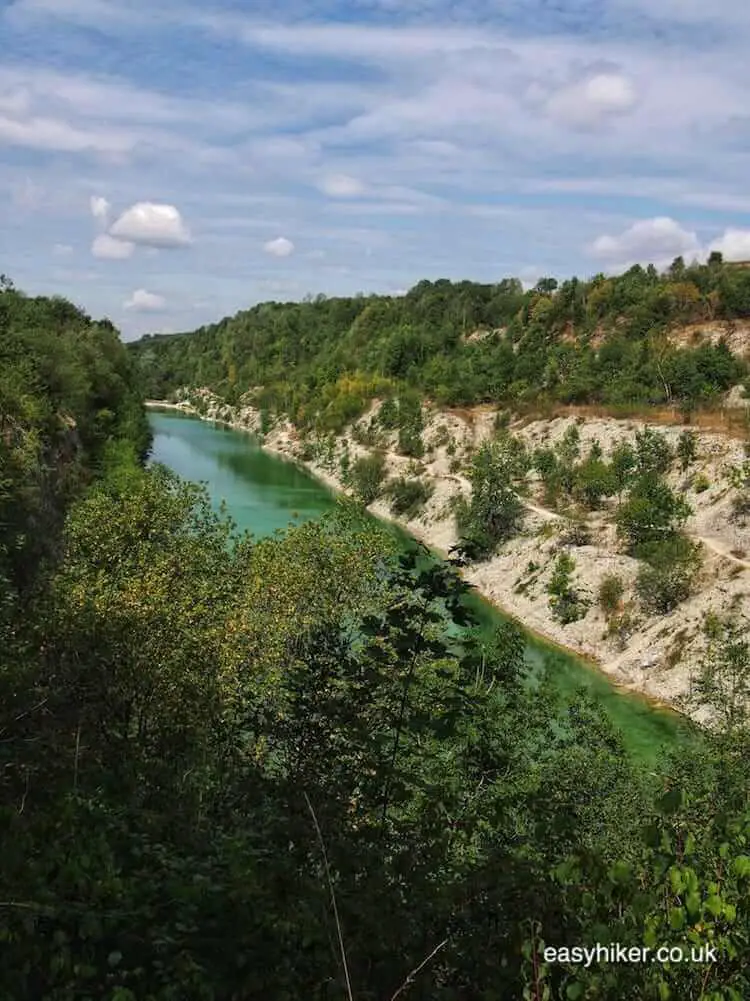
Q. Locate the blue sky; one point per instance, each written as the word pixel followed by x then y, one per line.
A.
pixel 167 164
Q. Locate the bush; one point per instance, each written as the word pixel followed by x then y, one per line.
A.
pixel 701 483
pixel 408 497
pixel 653 454
pixel 687 448
pixel 566 603
pixel 652 513
pixel 367 475
pixel 611 591
pixel 576 533
pixel 388 415
pixel 668 576
pixel 494 513
pixel 365 434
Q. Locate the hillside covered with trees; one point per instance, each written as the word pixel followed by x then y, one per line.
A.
pixel 604 341
pixel 292 768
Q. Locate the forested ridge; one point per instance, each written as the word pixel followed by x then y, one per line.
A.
pixel 606 340
pixel 293 768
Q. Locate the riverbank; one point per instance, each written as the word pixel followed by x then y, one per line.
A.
pixel 656 658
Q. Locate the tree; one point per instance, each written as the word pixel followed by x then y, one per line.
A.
pixel 687 448
pixel 669 575
pixel 565 601
pixel 653 454
pixel 494 512
pixel 651 513
pixel 367 475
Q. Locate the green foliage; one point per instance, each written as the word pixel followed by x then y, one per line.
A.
pixel 302 353
pixel 494 512
pixel 739 477
pixel 622 463
pixel 722 684
pixel 408 496
pixel 652 513
pixel 593 480
pixel 687 449
pixel 219 754
pixel 610 594
pixel 367 475
pixel 669 575
pixel 565 601
pixel 701 483
pixel 652 453
pixel 68 390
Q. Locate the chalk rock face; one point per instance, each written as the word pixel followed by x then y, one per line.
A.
pixel 736 399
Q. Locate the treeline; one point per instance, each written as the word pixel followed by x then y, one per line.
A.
pixel 69 399
pixel 599 341
pixel 293 768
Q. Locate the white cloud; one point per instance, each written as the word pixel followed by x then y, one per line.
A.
pixel 62 250
pixel 151 225
pixel 46 133
pixel 142 301
pixel 342 186
pixel 592 101
pixel 280 247
pixel 106 248
pixel 734 245
pixel 649 241
pixel 99 208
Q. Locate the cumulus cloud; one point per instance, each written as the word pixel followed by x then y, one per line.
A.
pixel 142 301
pixel 341 186
pixel 591 101
pixel 99 208
pixel 62 250
pixel 280 247
pixel 734 245
pixel 649 241
pixel 151 225
pixel 106 248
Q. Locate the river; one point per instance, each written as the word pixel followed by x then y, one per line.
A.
pixel 264 493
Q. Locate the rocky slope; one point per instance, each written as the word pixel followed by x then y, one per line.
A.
pixel 655 655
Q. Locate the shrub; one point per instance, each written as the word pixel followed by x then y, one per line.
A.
pixel 593 480
pixel 365 434
pixel 611 591
pixel 566 603
pixel 653 454
pixel 388 414
pixel 668 576
pixel 408 497
pixel 367 475
pixel 687 449
pixel 652 513
pixel 576 533
pixel 494 512
pixel 701 483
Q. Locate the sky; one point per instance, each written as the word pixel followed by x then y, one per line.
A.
pixel 167 164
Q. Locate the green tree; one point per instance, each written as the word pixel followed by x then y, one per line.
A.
pixel 367 475
pixel 494 512
pixel 687 449
pixel 565 600
pixel 652 513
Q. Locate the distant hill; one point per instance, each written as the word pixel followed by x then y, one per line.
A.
pixel 607 340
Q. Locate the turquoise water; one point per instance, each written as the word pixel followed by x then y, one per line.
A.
pixel 264 493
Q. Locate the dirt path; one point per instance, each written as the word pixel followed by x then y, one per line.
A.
pixel 721 550
pixel 713 544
